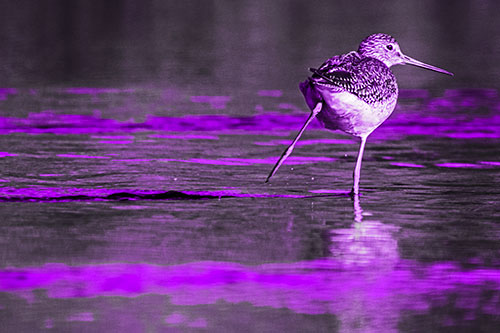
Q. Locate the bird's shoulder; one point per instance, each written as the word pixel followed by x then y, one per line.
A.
pixel 352 66
pixel 368 78
pixel 338 62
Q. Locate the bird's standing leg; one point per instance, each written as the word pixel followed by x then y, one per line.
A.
pixel 289 150
pixel 357 169
pixel 358 211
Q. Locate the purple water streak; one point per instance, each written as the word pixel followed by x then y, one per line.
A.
pixel 82 156
pixel 453 115
pixel 185 136
pixel 117 142
pixel 312 287
pixel 400 125
pixel 462 165
pixel 306 142
pixel 5 92
pixel 77 194
pixel 52 122
pixel 478 165
pixel 70 194
pixel 5 154
pixel 331 191
pixel 494 163
pixel 454 99
pixel 407 165
pixel 178 318
pixel 113 137
pixel 293 160
pixel 96 91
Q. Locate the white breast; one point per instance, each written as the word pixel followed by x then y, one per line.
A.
pixel 346 112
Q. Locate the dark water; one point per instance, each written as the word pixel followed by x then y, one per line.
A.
pixel 132 189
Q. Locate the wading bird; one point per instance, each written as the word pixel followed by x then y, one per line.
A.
pixel 355 92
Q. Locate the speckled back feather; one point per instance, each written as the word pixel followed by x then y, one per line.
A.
pixel 367 78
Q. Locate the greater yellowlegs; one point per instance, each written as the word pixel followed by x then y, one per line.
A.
pixel 355 92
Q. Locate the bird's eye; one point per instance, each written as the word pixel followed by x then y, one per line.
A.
pixel 389 47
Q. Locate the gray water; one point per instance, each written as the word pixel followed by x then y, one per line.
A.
pixel 132 178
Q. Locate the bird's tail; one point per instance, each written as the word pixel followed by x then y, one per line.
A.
pixel 310 93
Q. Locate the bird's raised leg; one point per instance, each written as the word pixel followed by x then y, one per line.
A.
pixel 357 169
pixel 289 150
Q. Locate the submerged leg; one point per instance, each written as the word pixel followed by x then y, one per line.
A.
pixel 289 150
pixel 357 169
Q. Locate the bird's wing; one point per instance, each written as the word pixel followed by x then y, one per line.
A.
pixel 367 78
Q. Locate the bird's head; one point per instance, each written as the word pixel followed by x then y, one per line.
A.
pixel 386 49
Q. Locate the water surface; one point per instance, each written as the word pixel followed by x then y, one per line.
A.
pixel 106 211
pixel 134 146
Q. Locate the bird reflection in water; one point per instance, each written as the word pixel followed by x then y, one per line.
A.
pixel 367 251
pixel 367 243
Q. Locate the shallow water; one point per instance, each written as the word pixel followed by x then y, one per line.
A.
pixel 135 139
pixel 118 212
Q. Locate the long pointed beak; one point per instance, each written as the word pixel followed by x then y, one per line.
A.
pixel 414 62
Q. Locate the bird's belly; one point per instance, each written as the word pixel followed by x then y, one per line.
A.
pixel 345 111
pixel 348 113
